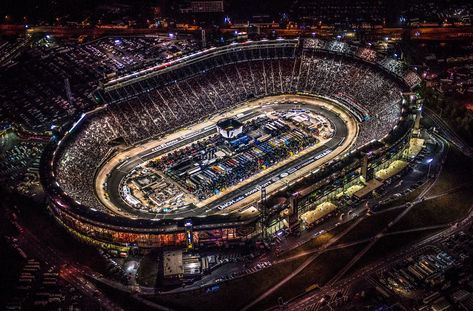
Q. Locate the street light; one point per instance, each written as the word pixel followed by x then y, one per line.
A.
pixel 429 162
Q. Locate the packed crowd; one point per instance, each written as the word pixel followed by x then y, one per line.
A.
pixel 82 157
pixel 314 44
pixel 368 55
pixel 393 65
pixel 340 47
pixel 33 91
pixel 164 103
pixel 412 79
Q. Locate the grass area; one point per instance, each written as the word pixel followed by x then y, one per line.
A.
pixel 370 226
pixel 317 241
pixel 329 263
pixel 438 211
pixel 148 270
pixel 449 207
pixel 388 246
pixel 441 210
pixel 456 171
pixel 403 199
pixel 232 295
pixel 320 271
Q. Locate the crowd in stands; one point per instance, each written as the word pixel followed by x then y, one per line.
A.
pixel 340 47
pixel 32 87
pixel 157 105
pixel 393 65
pixel 90 143
pixel 314 44
pixel 412 79
pixel 368 55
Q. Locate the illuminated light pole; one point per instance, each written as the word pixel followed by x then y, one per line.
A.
pixel 429 162
pixel 189 235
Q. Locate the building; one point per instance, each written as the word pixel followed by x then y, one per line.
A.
pixel 100 227
pixel 207 7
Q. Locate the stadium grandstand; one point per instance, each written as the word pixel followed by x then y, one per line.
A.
pixel 139 106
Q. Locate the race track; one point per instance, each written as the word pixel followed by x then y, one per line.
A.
pixel 111 173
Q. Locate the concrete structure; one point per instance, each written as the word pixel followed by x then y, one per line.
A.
pixel 216 226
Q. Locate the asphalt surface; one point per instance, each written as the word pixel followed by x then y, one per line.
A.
pixel 113 182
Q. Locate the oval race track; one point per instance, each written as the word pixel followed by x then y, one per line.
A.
pixel 230 201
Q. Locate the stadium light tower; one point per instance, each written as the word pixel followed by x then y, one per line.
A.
pixel 429 162
pixel 67 86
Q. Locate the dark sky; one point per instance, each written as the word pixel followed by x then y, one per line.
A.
pixel 77 9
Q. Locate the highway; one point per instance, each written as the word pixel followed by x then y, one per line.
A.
pixel 419 33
